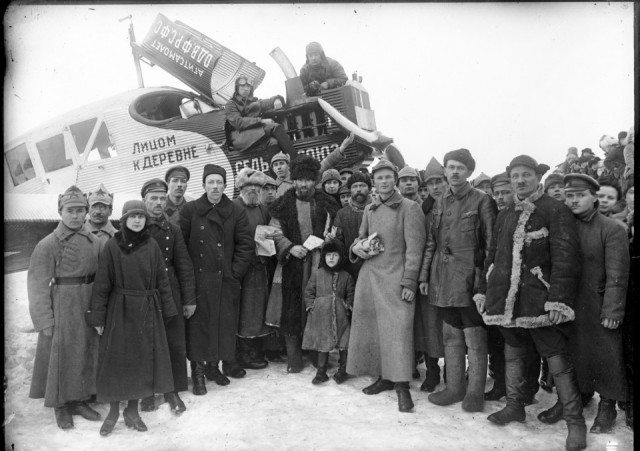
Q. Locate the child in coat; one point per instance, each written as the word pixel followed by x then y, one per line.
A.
pixel 329 302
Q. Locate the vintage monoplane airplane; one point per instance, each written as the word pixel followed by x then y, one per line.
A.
pixel 137 135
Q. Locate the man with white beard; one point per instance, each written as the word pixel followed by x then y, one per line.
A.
pixel 255 284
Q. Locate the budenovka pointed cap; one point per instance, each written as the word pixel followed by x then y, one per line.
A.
pixel 72 197
pixel 434 169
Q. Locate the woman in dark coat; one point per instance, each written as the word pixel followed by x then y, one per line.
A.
pixel 131 297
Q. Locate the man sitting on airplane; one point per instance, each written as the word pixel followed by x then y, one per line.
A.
pixel 244 123
pixel 100 208
pixel 176 178
pixel 320 72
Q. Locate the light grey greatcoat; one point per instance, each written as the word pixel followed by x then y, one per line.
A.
pixel 65 364
pixel 381 340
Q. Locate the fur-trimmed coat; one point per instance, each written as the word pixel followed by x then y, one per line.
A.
pixel 296 272
pixel 533 264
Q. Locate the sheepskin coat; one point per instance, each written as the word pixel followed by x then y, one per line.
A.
pixel 533 265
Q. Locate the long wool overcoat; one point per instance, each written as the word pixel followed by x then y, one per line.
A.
pixel 222 248
pixel 381 340
pixel 131 299
pixel 65 364
pixel 183 289
pixel 602 294
pixel 533 264
pixel 296 272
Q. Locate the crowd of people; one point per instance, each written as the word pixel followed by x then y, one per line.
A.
pixel 516 276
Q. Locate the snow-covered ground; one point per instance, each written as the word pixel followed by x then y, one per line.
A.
pixel 272 410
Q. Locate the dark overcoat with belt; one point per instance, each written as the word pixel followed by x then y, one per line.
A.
pixel 221 247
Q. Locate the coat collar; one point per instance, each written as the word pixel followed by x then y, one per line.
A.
pixel 224 207
pixel 62 232
pixel 589 216
pixel 520 204
pixel 108 228
pixel 392 202
pixel 460 194
pixel 162 222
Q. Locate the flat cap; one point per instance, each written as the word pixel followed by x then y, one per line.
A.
pixel 530 162
pixel 580 182
pixel 269 181
pixel 153 185
pixel 177 171
pixel 499 180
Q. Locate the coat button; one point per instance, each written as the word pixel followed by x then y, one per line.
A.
pixel 167 238
pixel 219 245
pixel 201 227
pixel 167 248
pixel 219 272
pixel 200 270
pixel 448 213
pixel 201 241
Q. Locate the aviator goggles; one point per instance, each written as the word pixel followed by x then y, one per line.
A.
pixel 245 82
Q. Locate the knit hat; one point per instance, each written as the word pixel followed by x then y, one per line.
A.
pixel 499 180
pixel 305 167
pixel 153 185
pixel 553 178
pixel 268 181
pixel 579 182
pixel 463 156
pixel 214 169
pixel 384 164
pixel 526 160
pixel 358 177
pixel 434 169
pixel 177 171
pixel 72 197
pixel 408 171
pixel 330 174
pixel 100 196
pixel 481 178
pixel 280 156
pixel 249 176
pixel 133 207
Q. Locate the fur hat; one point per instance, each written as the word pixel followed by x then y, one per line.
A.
pixel 100 196
pixel 358 177
pixel 133 207
pixel 330 174
pixel 177 171
pixel 72 197
pixel 553 178
pixel 249 176
pixel 214 169
pixel 526 160
pixel 463 156
pixel 153 185
pixel 434 169
pixel 332 246
pixel 408 171
pixel 305 167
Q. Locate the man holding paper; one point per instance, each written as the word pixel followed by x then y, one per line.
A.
pixel 255 283
pixel 391 241
pixel 303 215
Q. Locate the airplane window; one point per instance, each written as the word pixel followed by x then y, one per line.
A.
pixel 53 153
pixel 81 133
pixel 20 165
pixel 102 146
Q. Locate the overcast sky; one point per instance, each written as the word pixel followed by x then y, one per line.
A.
pixel 499 79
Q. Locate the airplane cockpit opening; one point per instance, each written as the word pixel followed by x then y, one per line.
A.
pixel 162 107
